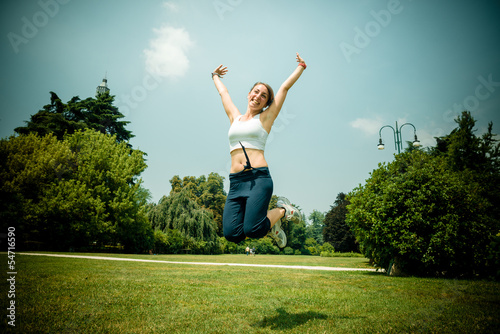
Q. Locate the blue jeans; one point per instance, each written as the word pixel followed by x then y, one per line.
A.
pixel 245 212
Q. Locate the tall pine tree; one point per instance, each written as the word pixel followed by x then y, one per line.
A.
pixel 336 231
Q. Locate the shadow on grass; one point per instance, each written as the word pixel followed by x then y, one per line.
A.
pixel 284 320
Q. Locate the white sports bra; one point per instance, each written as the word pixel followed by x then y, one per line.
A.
pixel 250 133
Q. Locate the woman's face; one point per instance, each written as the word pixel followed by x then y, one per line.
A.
pixel 258 96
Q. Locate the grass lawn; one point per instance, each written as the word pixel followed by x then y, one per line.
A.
pixel 289 260
pixel 65 295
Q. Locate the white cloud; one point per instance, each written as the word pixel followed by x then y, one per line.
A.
pixel 426 138
pixel 368 126
pixel 166 56
pixel 171 6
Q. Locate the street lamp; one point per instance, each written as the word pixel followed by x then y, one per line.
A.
pixel 398 139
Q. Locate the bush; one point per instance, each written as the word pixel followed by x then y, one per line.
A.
pixel 170 242
pixel 263 246
pixel 327 247
pixel 350 254
pixel 305 251
pixel 327 254
pixel 288 251
pixel 227 247
pixel 427 218
pixel 160 242
pixel 339 254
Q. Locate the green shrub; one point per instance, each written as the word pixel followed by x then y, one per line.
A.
pixel 327 247
pixel 350 254
pixel 418 212
pixel 305 251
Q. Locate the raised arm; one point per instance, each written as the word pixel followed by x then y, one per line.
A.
pixel 231 110
pixel 274 109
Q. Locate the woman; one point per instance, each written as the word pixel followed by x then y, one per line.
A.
pixel 251 186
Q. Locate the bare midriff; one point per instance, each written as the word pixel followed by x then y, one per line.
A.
pixel 238 159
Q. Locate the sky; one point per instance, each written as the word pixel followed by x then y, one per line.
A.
pixel 369 64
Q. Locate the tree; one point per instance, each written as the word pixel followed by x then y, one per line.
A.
pixel 71 193
pixel 93 113
pixel 213 197
pixel 336 231
pixel 208 193
pixel 52 119
pixel 110 170
pixel 297 235
pixel 100 114
pixel 465 151
pixel 427 218
pixel 28 167
pixel 179 211
pixel 315 228
pixel 434 212
pixel 479 156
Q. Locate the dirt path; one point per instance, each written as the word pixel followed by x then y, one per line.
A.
pixel 203 263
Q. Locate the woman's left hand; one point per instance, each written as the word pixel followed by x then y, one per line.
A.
pixel 299 59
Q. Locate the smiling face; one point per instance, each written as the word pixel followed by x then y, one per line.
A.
pixel 260 96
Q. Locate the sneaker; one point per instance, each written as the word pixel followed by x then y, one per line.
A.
pixel 291 213
pixel 278 234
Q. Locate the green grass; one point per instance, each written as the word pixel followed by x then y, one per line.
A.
pixel 64 295
pixel 295 260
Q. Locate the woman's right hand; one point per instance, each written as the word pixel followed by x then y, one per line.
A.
pixel 220 71
pixel 229 107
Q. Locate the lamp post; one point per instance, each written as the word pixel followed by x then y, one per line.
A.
pixel 398 139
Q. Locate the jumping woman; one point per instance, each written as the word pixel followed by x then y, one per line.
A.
pixel 251 186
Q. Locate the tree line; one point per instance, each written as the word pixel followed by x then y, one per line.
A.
pixel 71 181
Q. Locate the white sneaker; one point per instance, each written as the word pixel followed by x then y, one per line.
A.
pixel 278 234
pixel 291 213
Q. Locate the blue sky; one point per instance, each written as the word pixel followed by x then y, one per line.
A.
pixel 370 64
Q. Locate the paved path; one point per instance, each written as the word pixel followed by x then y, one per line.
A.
pixel 203 263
